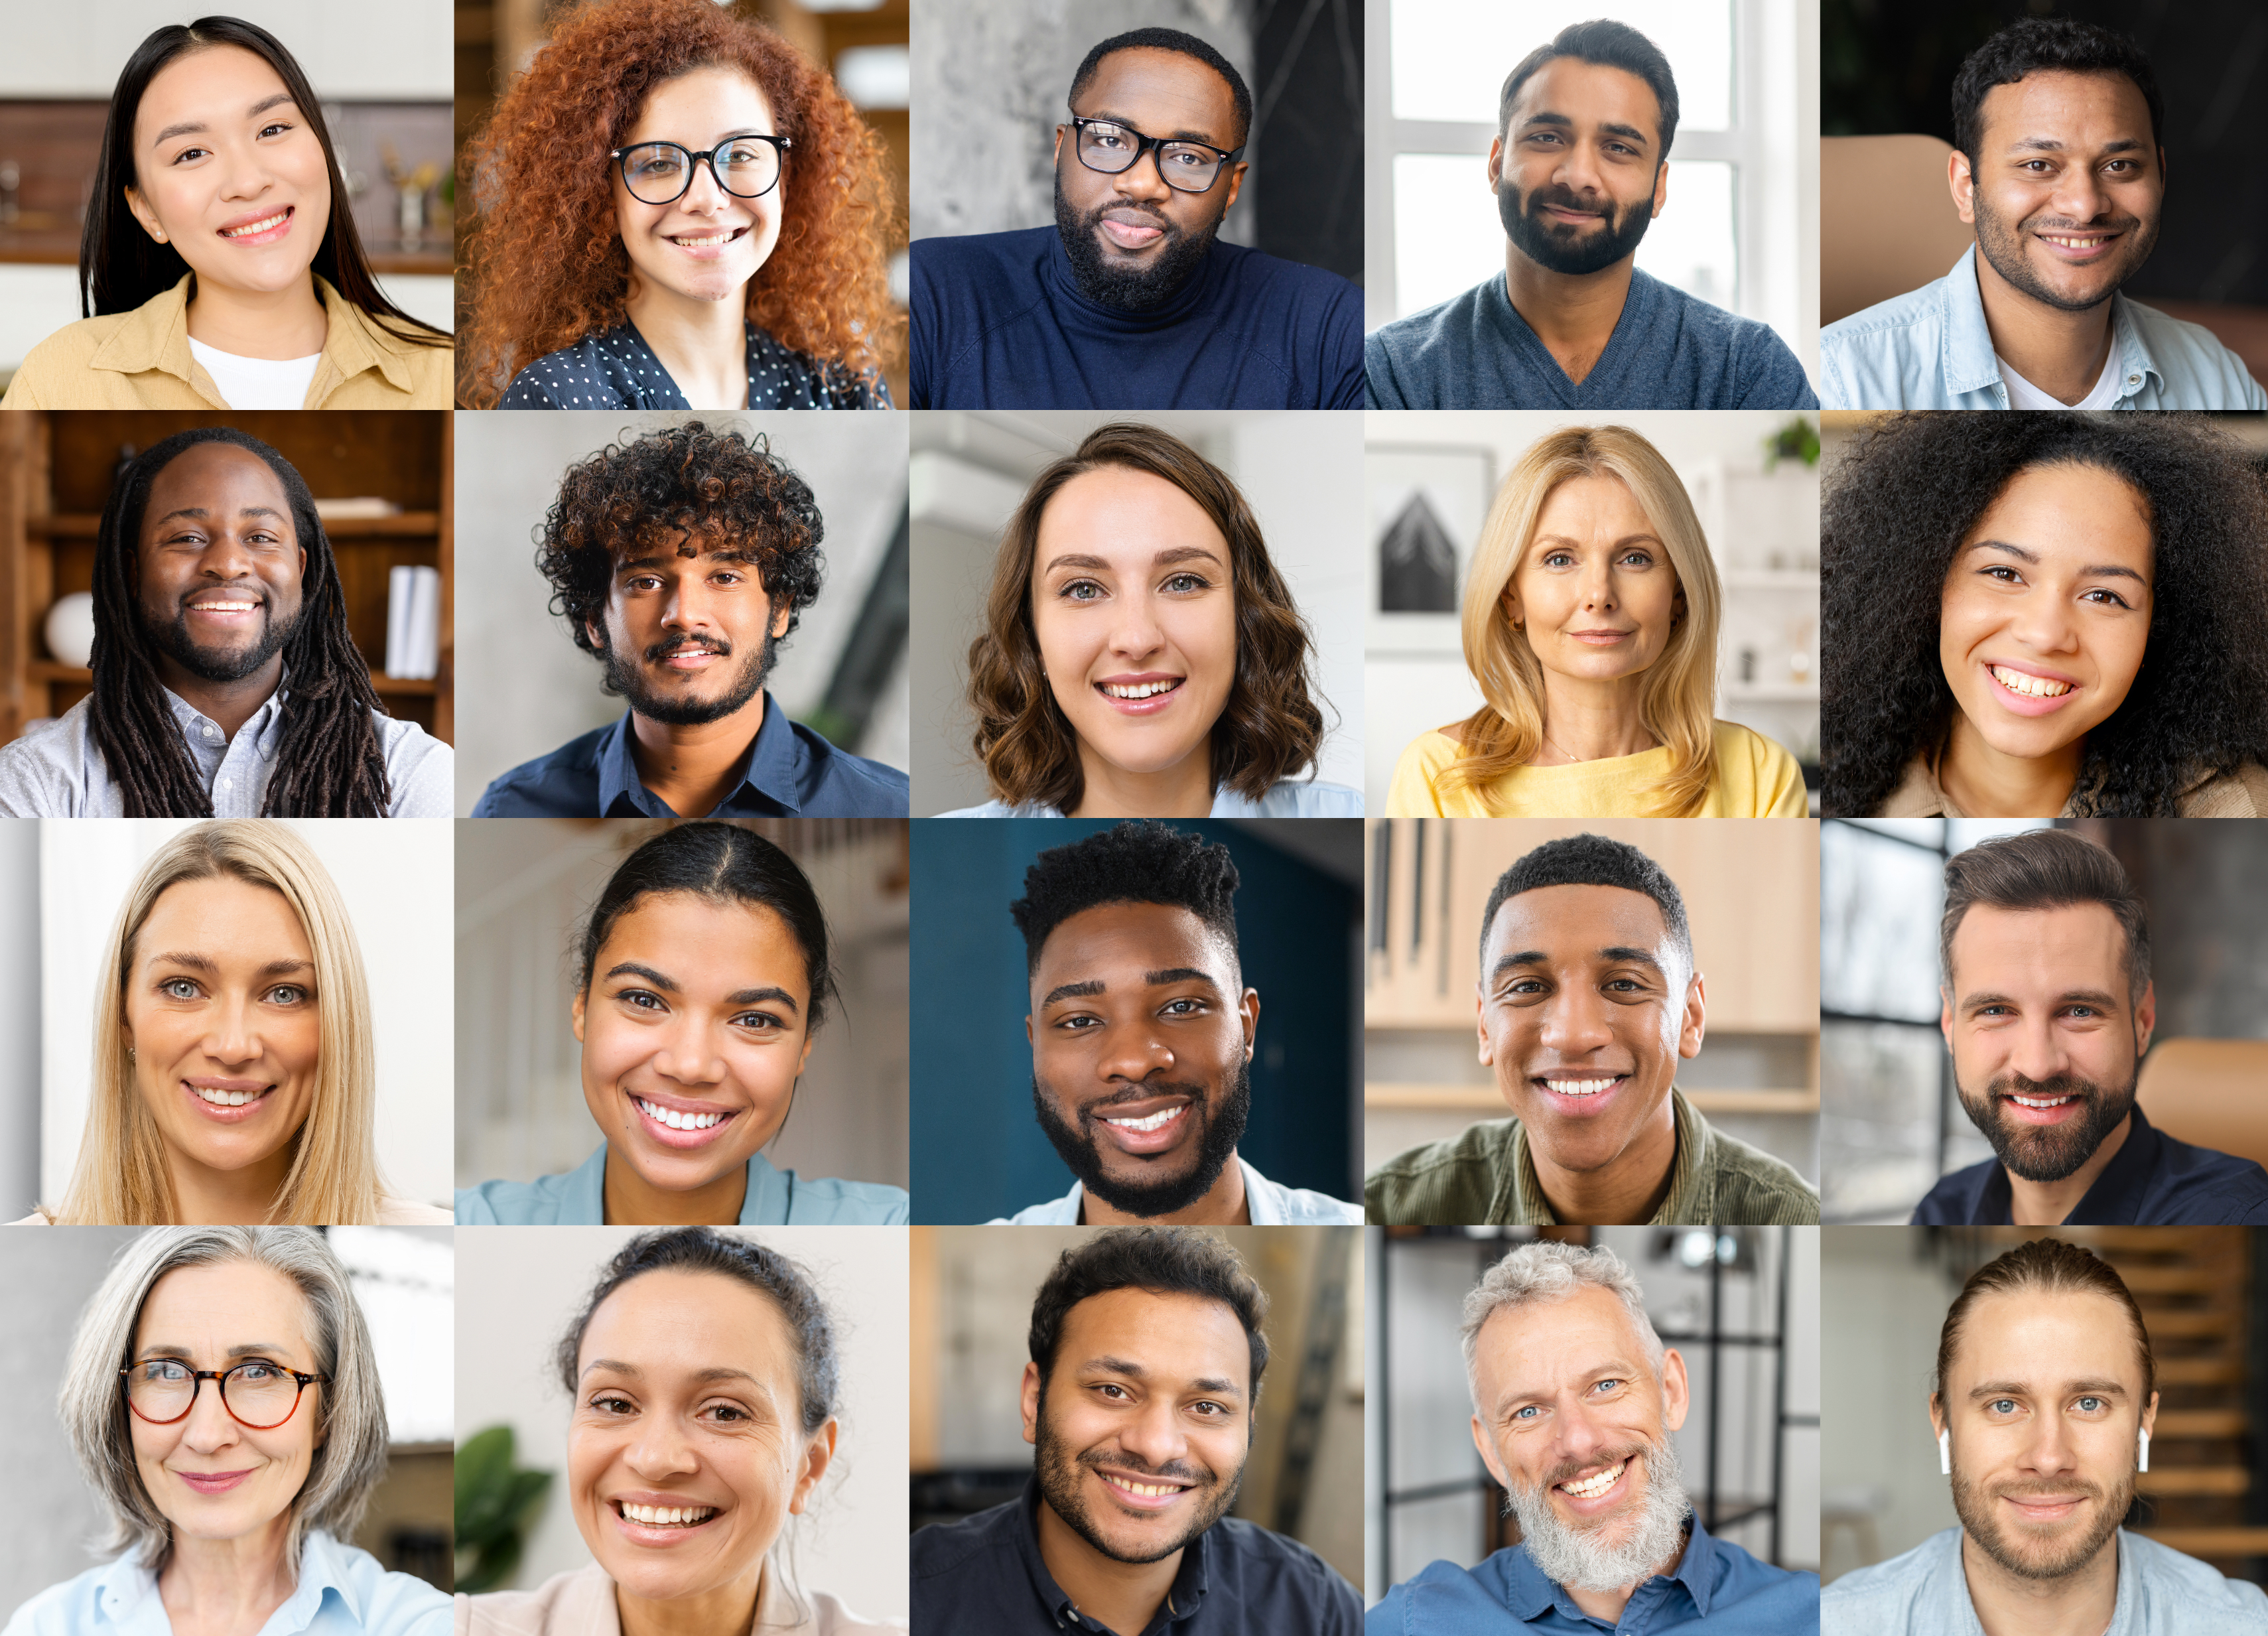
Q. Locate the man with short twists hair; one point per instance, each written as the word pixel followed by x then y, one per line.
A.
pixel 1588 998
pixel 1574 1399
pixel 2047 1008
pixel 2042 1403
pixel 1139 1401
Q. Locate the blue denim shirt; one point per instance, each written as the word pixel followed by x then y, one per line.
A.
pixel 1924 1593
pixel 341 1592
pixel 1718 1588
pixel 1930 349
pixel 776 1197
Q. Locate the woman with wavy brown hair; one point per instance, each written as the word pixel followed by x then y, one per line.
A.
pixel 1141 656
pixel 676 209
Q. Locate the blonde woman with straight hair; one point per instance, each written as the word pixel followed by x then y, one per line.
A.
pixel 222 1397
pixel 1590 623
pixel 234 1074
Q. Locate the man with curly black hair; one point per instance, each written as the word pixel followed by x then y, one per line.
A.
pixel 680 561
pixel 2058 166
pixel 1588 998
pixel 1142 1035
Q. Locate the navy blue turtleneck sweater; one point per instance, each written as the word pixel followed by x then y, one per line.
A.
pixel 999 322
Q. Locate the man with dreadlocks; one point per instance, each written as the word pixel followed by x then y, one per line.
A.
pixel 225 683
pixel 682 560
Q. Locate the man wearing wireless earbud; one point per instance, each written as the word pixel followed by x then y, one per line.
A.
pixel 2044 1401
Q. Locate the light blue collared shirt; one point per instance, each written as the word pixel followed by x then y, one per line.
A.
pixel 341 1592
pixel 1930 349
pixel 1287 799
pixel 1270 1206
pixel 1924 1593
pixel 776 1198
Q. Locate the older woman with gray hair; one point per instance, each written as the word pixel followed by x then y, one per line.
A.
pixel 231 1506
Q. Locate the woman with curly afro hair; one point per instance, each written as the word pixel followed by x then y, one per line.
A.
pixel 2043 615
pixel 676 209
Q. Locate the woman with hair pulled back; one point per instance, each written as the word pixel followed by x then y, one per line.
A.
pixel 702 979
pixel 706 1386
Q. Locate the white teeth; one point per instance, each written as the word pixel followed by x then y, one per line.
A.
pixel 667 1516
pixel 228 1099
pixel 2042 1102
pixel 1151 1491
pixel 2030 687
pixel 1577 1088
pixel 1591 1486
pixel 674 1119
pixel 223 607
pixel 1151 1124
pixel 1139 689
pixel 2075 244
pixel 723 238
pixel 254 227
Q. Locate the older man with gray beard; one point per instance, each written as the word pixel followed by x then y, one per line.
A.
pixel 1574 1399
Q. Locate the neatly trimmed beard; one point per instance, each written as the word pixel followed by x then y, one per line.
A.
pixel 1221 1127
pixel 1131 288
pixel 2026 1559
pixel 174 639
pixel 629 681
pixel 1653 1527
pixel 2002 245
pixel 2047 1153
pixel 1059 1472
pixel 1564 249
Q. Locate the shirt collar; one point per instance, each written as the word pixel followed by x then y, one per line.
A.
pixel 1692 1195
pixel 1190 1585
pixel 1264 1199
pixel 1528 1592
pixel 774 771
pixel 265 725
pixel 1971 365
pixel 156 336
pixel 2116 1195
pixel 124 1582
pixel 584 1196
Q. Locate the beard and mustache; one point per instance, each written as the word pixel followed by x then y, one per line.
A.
pixel 627 680
pixel 1131 288
pixel 2047 1153
pixel 172 638
pixel 1220 1120
pixel 2002 244
pixel 2041 1554
pixel 1560 248
pixel 1583 1556
pixel 1059 1469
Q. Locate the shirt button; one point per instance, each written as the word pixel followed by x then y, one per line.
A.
pixel 211 732
pixel 228 783
pixel 2133 381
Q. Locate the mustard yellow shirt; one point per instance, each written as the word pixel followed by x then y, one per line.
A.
pixel 1755 779
pixel 141 359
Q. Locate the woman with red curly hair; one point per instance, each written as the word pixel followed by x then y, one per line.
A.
pixel 676 209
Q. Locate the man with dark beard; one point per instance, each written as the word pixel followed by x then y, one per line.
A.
pixel 682 560
pixel 1583 129
pixel 2048 1007
pixel 2042 1405
pixel 1574 1399
pixel 1142 1035
pixel 225 680
pixel 2058 167
pixel 1132 301
pixel 1139 1401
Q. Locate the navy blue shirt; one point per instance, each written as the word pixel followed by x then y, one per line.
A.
pixel 1000 322
pixel 618 370
pixel 1717 1589
pixel 2151 1181
pixel 1668 351
pixel 791 772
pixel 983 1576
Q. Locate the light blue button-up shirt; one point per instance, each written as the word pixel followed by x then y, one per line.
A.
pixel 1924 1593
pixel 1287 799
pixel 341 1592
pixel 776 1198
pixel 1931 348
pixel 1271 1204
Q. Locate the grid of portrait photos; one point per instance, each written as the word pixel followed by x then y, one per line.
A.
pixel 1179 818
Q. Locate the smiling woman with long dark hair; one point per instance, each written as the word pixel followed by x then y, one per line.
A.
pixel 2043 614
pixel 220 267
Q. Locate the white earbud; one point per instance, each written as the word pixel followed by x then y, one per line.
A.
pixel 1945 1454
pixel 2143 1464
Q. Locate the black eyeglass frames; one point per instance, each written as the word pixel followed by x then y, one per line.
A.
pixel 659 172
pixel 257 1395
pixel 1109 147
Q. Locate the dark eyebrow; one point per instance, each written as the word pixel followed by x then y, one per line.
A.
pixel 203 515
pixel 632 968
pixel 760 996
pixel 190 126
pixel 2024 1389
pixel 1087 989
pixel 1201 137
pixel 1614 953
pixel 612 1365
pixel 2103 571
pixel 1180 974
pixel 1212 1384
pixel 2048 144
pixel 2101 998
pixel 648 563
pixel 1560 121
pixel 1618 955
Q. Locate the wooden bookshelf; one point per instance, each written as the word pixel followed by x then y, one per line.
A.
pixel 55 470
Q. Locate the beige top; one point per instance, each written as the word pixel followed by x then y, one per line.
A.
pixel 141 359
pixel 391 1212
pixel 2240 794
pixel 582 1603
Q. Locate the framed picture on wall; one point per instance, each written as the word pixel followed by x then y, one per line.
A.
pixel 1425 504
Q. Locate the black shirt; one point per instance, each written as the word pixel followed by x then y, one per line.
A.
pixel 791 772
pixel 2151 1181
pixel 984 1577
pixel 618 370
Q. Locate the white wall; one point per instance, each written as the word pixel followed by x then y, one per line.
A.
pixel 397 878
pixel 401 51
pixel 519 1288
pixel 20 1022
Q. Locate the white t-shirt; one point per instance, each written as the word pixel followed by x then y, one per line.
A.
pixel 257 383
pixel 2022 394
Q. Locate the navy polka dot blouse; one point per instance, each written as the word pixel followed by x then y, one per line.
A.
pixel 618 370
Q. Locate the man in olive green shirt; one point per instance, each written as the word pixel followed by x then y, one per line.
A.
pixel 1587 998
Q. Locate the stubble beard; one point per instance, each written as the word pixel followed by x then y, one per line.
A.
pixel 2044 1560
pixel 1560 249
pixel 629 681
pixel 1578 1557
pixel 1128 289
pixel 2046 1154
pixel 2003 248
pixel 1059 1472
pixel 1222 1127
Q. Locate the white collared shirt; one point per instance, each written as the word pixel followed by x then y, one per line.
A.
pixel 1270 1206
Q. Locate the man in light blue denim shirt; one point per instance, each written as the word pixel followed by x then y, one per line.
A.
pixel 2058 167
pixel 2043 1404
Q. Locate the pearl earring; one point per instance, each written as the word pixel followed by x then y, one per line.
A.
pixel 129 1056
pixel 1945 1454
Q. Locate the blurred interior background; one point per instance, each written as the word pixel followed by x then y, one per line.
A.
pixel 1741 1303
pixel 527 885
pixel 1886 1293
pixel 1751 887
pixel 386 81
pixel 972 1308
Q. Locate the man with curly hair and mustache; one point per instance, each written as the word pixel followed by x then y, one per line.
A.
pixel 682 560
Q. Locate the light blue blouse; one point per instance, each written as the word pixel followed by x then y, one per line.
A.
pixel 1288 799
pixel 341 1592
pixel 776 1198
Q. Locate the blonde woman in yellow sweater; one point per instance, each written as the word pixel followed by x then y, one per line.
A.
pixel 1590 623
